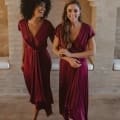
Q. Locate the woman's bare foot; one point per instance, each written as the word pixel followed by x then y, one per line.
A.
pixel 35 114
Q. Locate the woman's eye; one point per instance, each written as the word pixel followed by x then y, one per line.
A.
pixel 69 10
pixel 75 10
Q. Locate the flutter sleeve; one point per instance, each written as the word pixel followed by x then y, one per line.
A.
pixel 20 24
pixel 58 30
pixel 19 27
pixel 91 32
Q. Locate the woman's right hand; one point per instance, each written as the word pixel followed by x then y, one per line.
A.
pixel 74 62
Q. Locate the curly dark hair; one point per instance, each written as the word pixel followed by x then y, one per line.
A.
pixel 27 7
pixel 66 23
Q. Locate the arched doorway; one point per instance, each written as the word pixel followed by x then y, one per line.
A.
pixel 4 47
pixel 116 62
pixel 89 12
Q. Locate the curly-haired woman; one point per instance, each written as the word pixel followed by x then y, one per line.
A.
pixel 36 62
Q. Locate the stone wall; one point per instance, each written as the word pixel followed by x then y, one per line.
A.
pixel 117 42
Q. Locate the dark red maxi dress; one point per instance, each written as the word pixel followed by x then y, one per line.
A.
pixel 73 82
pixel 37 64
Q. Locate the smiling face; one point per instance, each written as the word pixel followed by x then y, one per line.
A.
pixel 73 12
pixel 40 10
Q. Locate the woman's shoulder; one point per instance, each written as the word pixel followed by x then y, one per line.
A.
pixel 21 21
pixel 86 25
pixel 59 26
pixel 58 30
pixel 89 29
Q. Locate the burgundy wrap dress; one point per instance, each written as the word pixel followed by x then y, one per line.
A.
pixel 37 64
pixel 73 82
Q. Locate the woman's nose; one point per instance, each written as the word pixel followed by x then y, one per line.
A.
pixel 42 9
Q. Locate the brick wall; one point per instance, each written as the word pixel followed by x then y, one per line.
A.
pixel 117 43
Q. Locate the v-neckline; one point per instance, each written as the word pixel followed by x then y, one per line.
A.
pixel 73 41
pixel 34 36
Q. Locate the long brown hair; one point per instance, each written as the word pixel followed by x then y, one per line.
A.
pixel 66 24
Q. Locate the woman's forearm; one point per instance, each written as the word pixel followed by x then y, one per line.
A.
pixel 84 54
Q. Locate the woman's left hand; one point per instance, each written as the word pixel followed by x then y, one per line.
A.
pixel 65 52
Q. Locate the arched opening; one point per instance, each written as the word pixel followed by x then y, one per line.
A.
pixel 89 12
pixel 116 63
pixel 4 47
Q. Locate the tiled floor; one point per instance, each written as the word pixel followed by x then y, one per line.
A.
pixel 18 108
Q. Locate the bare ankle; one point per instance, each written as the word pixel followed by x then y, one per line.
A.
pixel 35 114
